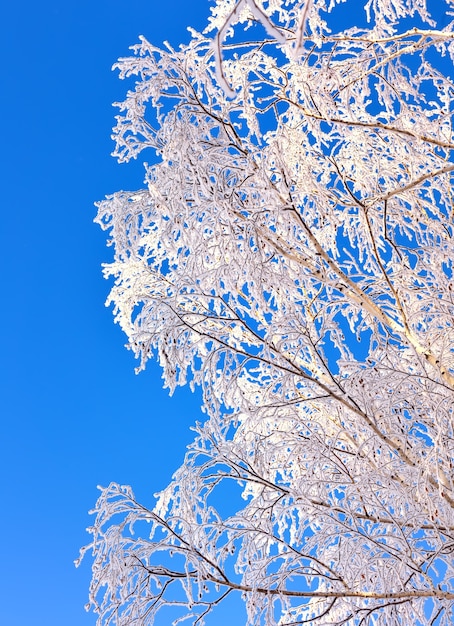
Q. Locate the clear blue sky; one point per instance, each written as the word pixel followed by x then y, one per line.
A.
pixel 73 414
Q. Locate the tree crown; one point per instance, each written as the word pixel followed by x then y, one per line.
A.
pixel 292 254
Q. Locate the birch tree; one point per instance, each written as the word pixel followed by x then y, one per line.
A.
pixel 291 254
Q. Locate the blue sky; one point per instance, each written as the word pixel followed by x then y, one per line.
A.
pixel 73 413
